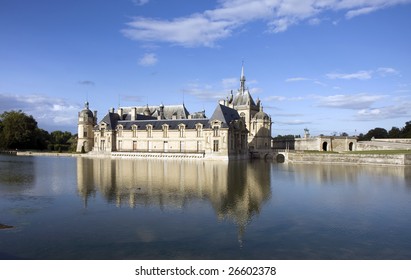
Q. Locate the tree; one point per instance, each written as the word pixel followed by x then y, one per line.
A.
pixel 361 137
pixel 395 132
pixel 19 131
pixel 377 132
pixel 406 130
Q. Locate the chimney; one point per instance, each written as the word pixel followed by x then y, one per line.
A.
pixel 133 113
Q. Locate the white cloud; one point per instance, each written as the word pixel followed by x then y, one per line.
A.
pixel 204 29
pixel 294 122
pixel 48 111
pixel 275 98
pixel 213 92
pixel 297 79
pixel 363 75
pixel 140 2
pixel 283 98
pixel 230 83
pixel 361 11
pixel 149 59
pixel 387 112
pixel 360 75
pixel 386 71
pixel 205 92
pixel 356 101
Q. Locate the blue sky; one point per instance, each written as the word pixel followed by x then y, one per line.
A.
pixel 331 66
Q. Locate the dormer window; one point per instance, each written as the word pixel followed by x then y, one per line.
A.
pixel 165 130
pixel 120 131
pixel 181 129
pixel 199 129
pixel 216 130
pixel 149 128
pixel 134 131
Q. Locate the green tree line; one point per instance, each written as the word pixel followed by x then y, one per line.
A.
pixel 394 132
pixel 20 131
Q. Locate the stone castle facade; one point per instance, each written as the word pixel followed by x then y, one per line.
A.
pixel 237 128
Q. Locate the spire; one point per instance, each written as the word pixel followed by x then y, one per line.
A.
pixel 242 79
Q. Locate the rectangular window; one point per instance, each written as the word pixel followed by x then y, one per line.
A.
pixel 85 134
pixel 216 132
pixel 134 145
pixel 102 145
pixel 215 146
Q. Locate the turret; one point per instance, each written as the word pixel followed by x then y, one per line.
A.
pixel 86 121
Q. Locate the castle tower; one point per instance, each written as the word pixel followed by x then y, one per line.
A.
pixel 244 103
pixel 257 122
pixel 260 130
pixel 86 121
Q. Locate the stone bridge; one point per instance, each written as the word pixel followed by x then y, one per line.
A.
pixel 278 155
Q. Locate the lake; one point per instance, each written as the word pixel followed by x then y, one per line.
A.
pixel 83 208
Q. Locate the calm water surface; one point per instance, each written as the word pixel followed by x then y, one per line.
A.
pixel 78 208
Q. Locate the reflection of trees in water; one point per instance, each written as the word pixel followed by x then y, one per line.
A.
pixel 407 175
pixel 350 174
pixel 235 189
pixel 16 172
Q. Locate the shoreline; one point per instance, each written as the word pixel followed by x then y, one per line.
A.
pixel 46 154
pixel 349 159
pixel 293 157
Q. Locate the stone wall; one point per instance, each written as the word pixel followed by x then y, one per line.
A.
pixel 300 157
pixel 307 144
pixel 326 143
pixel 382 145
pixel 397 140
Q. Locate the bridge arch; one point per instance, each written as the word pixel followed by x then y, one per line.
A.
pixel 280 158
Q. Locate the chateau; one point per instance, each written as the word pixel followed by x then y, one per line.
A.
pixel 237 129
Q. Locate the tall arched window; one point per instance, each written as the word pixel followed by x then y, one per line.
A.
pixel 216 131
pixel 199 130
pixel 181 129
pixel 134 130
pixel 165 130
pixel 149 128
pixel 120 131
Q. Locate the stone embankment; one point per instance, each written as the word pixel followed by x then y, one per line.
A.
pixel 384 144
pixel 367 159
pixel 49 154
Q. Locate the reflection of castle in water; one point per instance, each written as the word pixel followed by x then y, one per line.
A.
pixel 350 174
pixel 236 190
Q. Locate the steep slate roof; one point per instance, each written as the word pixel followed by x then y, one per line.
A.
pixel 221 113
pixel 243 98
pixel 158 124
pixel 224 114
pixel 111 120
pixel 180 111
